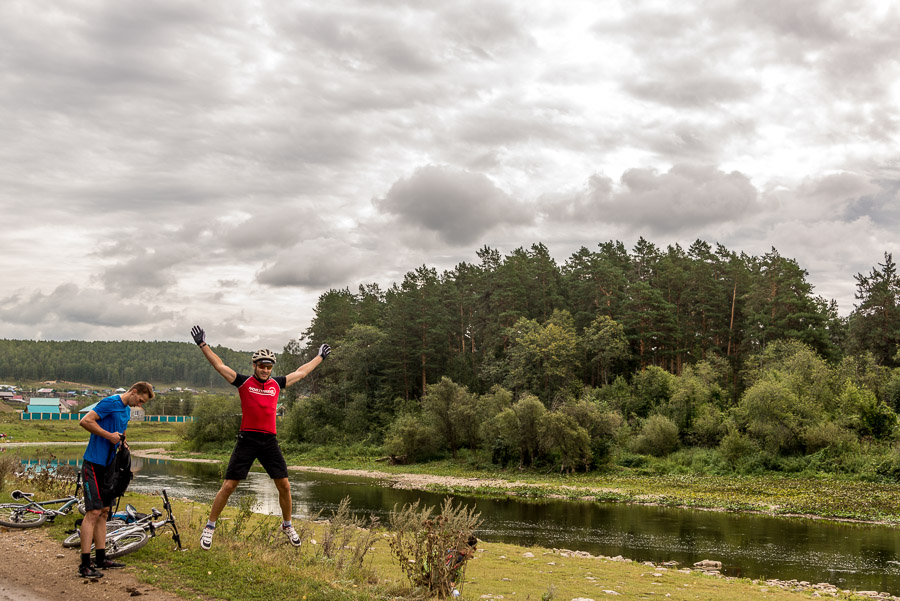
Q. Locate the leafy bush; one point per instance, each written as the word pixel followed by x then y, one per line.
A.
pixel 736 447
pixel 774 415
pixel 828 435
pixel 561 434
pixel 658 437
pixel 420 542
pixel 652 387
pixel 217 419
pixel 408 437
pixel 708 427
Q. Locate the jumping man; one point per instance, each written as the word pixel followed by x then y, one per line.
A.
pixel 256 438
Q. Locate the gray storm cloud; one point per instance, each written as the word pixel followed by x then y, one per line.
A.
pixel 685 197
pixel 458 206
pixel 71 304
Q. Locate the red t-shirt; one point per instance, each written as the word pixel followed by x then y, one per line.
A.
pixel 259 401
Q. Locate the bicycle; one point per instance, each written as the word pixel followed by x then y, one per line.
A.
pixel 115 521
pixel 128 538
pixel 31 513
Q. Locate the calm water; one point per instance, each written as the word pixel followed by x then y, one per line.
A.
pixel 861 557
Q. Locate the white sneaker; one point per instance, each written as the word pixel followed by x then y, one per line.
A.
pixel 206 538
pixel 292 535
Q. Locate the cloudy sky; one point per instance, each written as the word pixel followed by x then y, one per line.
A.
pixel 175 162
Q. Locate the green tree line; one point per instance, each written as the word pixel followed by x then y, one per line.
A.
pixel 648 351
pixel 113 364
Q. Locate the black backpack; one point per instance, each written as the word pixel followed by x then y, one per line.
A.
pixel 118 473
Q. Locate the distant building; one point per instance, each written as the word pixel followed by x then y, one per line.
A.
pixel 43 391
pixel 43 405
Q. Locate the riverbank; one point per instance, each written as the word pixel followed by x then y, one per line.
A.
pixel 821 498
pixel 254 562
pixel 68 431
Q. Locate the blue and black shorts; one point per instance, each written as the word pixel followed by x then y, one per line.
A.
pixel 95 497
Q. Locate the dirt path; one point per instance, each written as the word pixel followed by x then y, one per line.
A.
pixel 36 568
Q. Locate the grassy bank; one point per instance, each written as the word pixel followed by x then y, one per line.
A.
pixel 251 561
pixel 827 496
pixel 18 430
pixel 832 497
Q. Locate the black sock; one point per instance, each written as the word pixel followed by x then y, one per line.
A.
pixel 86 560
pixel 101 556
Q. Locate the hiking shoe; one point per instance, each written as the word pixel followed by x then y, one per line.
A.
pixel 89 572
pixel 292 535
pixel 206 538
pixel 109 564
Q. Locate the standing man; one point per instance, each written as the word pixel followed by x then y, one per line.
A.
pixel 256 438
pixel 106 422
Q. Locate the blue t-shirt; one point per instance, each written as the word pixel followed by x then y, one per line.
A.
pixel 114 416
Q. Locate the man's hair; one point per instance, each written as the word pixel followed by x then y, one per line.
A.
pixel 143 388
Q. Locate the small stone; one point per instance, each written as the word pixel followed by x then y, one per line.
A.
pixel 528 554
pixel 708 564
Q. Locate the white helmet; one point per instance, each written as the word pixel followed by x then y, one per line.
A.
pixel 264 355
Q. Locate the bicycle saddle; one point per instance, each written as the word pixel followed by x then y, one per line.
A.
pixel 18 494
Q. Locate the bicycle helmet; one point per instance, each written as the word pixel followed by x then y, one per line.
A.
pixel 264 355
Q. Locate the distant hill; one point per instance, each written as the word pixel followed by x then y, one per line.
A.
pixel 118 363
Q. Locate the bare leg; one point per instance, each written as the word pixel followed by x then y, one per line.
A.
pixel 221 499
pixel 284 497
pixel 100 530
pixel 88 526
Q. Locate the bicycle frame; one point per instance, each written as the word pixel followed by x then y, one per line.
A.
pixel 42 506
pixel 147 524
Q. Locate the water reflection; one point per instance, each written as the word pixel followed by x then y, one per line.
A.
pixel 848 555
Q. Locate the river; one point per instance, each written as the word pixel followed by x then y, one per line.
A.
pixel 855 556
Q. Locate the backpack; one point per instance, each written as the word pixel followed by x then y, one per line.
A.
pixel 118 473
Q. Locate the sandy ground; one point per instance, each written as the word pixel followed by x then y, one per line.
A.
pixel 36 568
pixel 165 454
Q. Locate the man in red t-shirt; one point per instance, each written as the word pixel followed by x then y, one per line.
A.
pixel 256 438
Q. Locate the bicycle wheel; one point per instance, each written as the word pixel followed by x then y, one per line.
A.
pixel 125 544
pixel 74 540
pixel 15 515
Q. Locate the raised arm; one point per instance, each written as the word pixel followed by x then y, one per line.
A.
pixel 305 369
pixel 199 337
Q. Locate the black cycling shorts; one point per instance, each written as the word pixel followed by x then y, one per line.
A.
pixel 95 497
pixel 256 445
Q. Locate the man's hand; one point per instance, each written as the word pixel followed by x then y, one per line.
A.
pixel 198 335
pixel 324 351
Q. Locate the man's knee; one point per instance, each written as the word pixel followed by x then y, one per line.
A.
pixel 283 484
pixel 92 515
pixel 228 486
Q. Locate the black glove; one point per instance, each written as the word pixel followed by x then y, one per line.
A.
pixel 324 351
pixel 199 335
